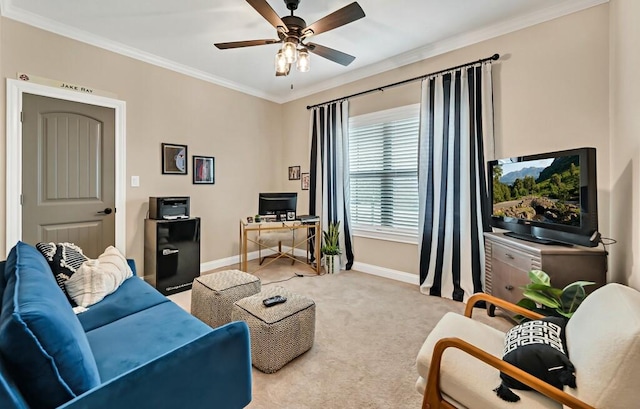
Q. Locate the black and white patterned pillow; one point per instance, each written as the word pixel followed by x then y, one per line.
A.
pixel 64 259
pixel 539 348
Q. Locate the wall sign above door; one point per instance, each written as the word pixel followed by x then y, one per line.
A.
pixel 64 85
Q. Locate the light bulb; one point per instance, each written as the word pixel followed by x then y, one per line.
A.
pixel 281 63
pixel 304 62
pixel 289 49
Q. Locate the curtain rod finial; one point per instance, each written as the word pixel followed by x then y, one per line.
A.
pixel 495 57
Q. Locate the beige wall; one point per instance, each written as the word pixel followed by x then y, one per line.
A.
pixel 551 93
pixel 624 264
pixel 242 132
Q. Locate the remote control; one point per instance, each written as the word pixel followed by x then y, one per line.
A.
pixel 271 301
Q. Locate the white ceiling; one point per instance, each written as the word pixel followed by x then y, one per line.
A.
pixel 179 34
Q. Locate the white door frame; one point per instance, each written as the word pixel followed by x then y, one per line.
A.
pixel 15 89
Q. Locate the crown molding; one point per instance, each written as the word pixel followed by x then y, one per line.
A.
pixel 428 51
pixel 9 11
pixel 450 44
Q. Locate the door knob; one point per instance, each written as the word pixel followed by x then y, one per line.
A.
pixel 108 210
pixel 508 287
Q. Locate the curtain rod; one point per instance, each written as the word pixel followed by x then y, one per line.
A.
pixel 494 57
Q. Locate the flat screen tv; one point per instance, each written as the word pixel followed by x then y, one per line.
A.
pixel 547 198
pixel 277 203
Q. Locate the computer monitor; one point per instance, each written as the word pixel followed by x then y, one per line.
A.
pixel 276 203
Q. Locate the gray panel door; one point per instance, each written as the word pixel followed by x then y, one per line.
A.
pixel 68 173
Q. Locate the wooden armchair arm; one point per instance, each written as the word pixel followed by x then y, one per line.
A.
pixel 498 302
pixel 433 396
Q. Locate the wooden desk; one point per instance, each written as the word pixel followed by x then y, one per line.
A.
pixel 312 231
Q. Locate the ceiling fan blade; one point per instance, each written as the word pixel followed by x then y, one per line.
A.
pixel 268 13
pixel 250 43
pixel 338 18
pixel 331 54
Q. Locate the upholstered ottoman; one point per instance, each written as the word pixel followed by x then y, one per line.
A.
pixel 279 333
pixel 213 295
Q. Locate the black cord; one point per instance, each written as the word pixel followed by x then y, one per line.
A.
pixel 279 281
pixel 609 242
pixel 309 275
pixel 293 276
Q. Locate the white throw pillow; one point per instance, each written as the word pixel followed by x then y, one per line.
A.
pixel 96 279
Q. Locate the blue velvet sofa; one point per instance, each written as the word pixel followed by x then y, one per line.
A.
pixel 133 349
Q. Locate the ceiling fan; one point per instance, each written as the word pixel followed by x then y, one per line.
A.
pixel 293 32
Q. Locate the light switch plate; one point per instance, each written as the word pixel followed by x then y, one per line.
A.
pixel 135 181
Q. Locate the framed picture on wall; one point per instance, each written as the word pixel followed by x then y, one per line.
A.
pixel 174 159
pixel 305 181
pixel 204 170
pixel 294 172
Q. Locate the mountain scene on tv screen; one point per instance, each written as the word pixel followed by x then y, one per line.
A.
pixel 548 193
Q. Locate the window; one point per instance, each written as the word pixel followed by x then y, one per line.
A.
pixel 383 173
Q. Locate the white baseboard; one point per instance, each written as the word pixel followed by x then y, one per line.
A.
pixel 223 262
pixel 362 267
pixel 387 273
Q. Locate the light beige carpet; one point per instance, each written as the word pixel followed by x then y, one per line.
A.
pixel 368 333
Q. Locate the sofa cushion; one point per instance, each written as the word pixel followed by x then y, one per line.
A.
pixel 10 395
pixel 98 278
pixel 158 330
pixel 134 295
pixel 41 340
pixel 2 281
pixel 64 259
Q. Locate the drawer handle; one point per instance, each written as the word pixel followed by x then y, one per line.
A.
pixel 508 287
pixel 509 256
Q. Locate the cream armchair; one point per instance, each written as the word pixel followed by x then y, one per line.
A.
pixel 460 362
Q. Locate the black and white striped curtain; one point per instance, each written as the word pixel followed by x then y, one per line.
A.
pixel 456 140
pixel 329 172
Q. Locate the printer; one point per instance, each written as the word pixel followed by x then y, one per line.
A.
pixel 169 208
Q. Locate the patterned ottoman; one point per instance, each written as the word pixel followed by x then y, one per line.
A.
pixel 279 333
pixel 213 295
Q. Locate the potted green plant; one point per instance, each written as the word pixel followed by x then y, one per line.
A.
pixel 544 299
pixel 331 248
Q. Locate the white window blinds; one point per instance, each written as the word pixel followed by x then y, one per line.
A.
pixel 383 160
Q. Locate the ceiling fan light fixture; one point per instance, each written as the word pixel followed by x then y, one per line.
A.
pixel 281 63
pixel 289 48
pixel 304 62
pixel 293 33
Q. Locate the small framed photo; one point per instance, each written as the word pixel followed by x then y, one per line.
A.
pixel 294 172
pixel 305 181
pixel 174 159
pixel 204 170
pixel 249 219
pixel 282 217
pixel 291 215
